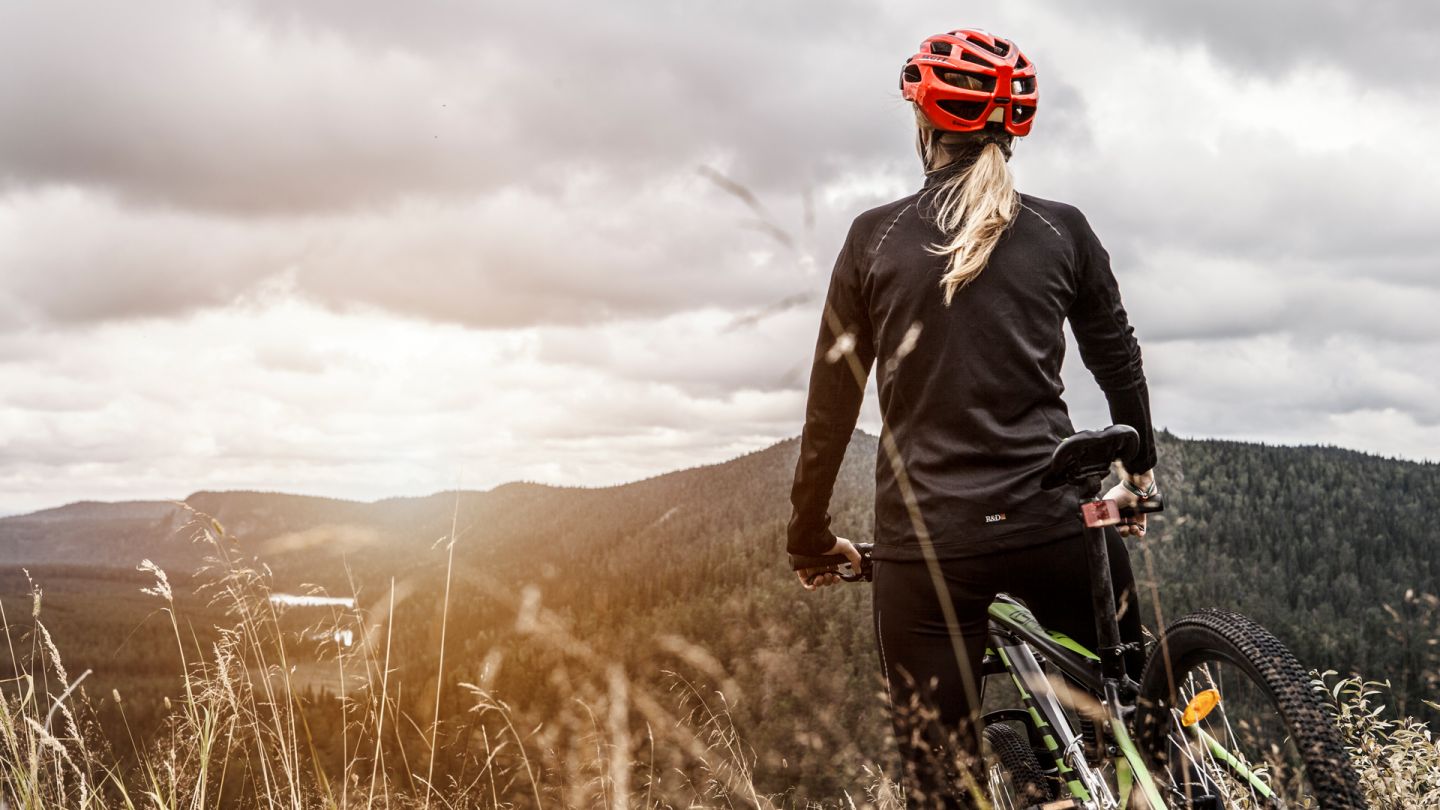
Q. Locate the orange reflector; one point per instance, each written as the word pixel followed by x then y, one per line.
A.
pixel 1199 706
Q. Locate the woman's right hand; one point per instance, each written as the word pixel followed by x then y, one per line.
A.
pixel 1123 497
pixel 812 578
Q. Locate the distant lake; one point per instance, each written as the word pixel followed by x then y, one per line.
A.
pixel 306 600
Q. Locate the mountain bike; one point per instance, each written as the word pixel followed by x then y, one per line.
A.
pixel 1223 715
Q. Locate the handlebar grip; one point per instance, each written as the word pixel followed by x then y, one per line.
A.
pixel 798 561
pixel 1155 503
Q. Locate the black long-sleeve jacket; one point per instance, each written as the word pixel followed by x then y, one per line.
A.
pixel 969 393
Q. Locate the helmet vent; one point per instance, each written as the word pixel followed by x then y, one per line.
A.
pixel 941 48
pixel 966 56
pixel 966 81
pixel 911 73
pixel 1020 114
pixel 999 48
pixel 1020 63
pixel 966 110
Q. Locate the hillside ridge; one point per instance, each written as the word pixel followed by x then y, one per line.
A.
pixel 68 509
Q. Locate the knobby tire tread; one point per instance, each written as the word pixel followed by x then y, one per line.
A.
pixel 1214 634
pixel 1031 783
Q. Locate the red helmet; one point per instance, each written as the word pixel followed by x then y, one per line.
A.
pixel 967 78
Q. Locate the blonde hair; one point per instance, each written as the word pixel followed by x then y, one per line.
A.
pixel 974 204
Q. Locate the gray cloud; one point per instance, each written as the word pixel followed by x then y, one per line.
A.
pixel 289 108
pixel 437 166
pixel 1389 43
pixel 509 260
pixel 379 406
pixel 194 104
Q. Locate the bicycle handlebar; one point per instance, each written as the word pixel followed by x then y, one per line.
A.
pixel 800 561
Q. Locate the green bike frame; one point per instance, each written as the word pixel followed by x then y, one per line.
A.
pixel 1018 644
pixel 1015 637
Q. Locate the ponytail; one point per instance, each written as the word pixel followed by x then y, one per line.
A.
pixel 975 206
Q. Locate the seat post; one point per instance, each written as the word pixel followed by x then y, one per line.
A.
pixel 1102 590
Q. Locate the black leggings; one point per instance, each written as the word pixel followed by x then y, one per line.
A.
pixel 929 701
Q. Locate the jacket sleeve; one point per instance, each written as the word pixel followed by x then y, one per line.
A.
pixel 1107 343
pixel 844 354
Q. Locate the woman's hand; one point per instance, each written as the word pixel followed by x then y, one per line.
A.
pixel 1123 497
pixel 812 578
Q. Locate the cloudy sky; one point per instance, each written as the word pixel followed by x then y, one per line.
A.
pixel 364 248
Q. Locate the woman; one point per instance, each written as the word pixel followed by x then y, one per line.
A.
pixel 961 291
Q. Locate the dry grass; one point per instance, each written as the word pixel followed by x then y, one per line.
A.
pixel 239 733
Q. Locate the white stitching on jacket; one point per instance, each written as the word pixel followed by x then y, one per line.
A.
pixel 1044 220
pixel 885 235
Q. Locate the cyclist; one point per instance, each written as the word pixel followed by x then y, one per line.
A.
pixel 960 291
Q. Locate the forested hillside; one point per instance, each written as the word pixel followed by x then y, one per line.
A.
pixel 683 576
pixel 1321 544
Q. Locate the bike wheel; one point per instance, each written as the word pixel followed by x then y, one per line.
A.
pixel 1031 785
pixel 1269 733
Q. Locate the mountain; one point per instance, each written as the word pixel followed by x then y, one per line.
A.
pixel 1332 549
pixel 523 521
pixel 1309 538
pixel 87 532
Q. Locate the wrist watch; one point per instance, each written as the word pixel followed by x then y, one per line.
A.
pixel 1142 494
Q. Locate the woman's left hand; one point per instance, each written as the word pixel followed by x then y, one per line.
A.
pixel 812 578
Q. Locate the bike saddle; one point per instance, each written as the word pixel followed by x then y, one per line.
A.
pixel 1088 454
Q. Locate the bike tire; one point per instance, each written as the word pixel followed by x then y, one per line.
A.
pixel 1029 780
pixel 1229 639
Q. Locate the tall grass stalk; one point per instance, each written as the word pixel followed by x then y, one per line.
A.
pixel 440 669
